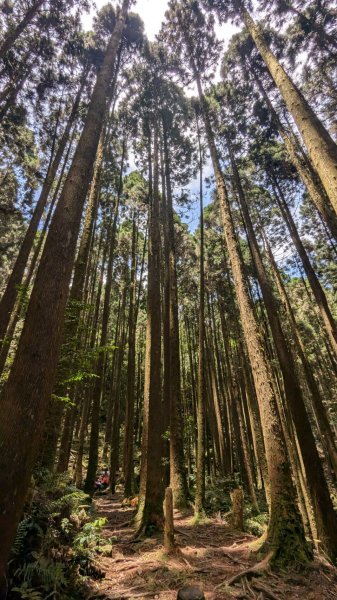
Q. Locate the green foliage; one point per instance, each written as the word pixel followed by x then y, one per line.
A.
pixel 217 497
pixel 89 536
pixel 255 524
pixel 27 593
pixel 56 543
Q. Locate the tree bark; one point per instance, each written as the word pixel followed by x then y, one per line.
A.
pixel 10 294
pixel 321 147
pixel 27 393
pixel 325 516
pixel 89 485
pixel 130 394
pixel 150 507
pixel 308 176
pixel 178 479
pixel 316 398
pixel 13 35
pixel 317 290
pixel 199 505
pixel 285 534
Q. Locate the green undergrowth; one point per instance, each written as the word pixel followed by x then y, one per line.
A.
pixel 255 524
pixel 218 501
pixel 57 543
pixel 217 496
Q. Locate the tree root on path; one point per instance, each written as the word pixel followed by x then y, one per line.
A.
pixel 260 587
pixel 128 594
pixel 182 532
pixel 232 558
pixel 256 570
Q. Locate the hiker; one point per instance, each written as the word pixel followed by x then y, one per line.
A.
pixel 105 479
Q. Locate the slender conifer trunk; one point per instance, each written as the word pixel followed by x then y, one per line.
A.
pixel 12 35
pixel 27 393
pixel 321 147
pixel 130 397
pixel 151 493
pixel 285 535
pixel 199 505
pixel 10 294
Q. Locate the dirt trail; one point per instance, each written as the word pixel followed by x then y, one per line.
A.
pixel 208 556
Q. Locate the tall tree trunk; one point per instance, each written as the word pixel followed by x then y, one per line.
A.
pixel 326 519
pixel 89 485
pixel 165 283
pixel 316 398
pixel 305 171
pixel 15 314
pixel 178 479
pixel 321 147
pixel 285 534
pixel 150 508
pixel 12 35
pixel 27 393
pixel 9 297
pixel 199 505
pixel 317 290
pixel 130 394
pixel 115 433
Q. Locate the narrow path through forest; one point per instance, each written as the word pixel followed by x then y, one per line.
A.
pixel 208 555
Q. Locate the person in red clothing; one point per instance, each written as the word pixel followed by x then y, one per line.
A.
pixel 105 478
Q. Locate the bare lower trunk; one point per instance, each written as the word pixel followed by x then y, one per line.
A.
pixel 150 509
pixel 285 533
pixel 27 393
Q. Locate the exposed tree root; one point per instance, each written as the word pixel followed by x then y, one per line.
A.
pixel 232 558
pixel 256 570
pixel 182 532
pixel 260 587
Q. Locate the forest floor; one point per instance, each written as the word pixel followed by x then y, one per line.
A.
pixel 209 555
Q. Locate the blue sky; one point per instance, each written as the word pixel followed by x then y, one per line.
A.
pixel 152 13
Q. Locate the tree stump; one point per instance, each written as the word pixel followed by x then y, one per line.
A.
pixel 237 509
pixel 190 592
pixel 169 523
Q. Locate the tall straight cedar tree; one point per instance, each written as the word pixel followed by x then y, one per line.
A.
pixel 10 294
pixel 151 492
pixel 285 535
pixel 325 516
pixel 199 508
pixel 13 34
pixel 321 147
pixel 27 394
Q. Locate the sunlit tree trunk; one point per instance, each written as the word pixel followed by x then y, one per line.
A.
pixel 151 494
pixel 321 147
pixel 27 393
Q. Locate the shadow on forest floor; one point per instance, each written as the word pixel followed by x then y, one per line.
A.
pixel 209 555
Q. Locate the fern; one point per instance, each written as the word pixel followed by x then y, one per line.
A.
pixel 69 502
pixel 20 537
pixel 27 593
pixel 49 574
pixel 25 527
